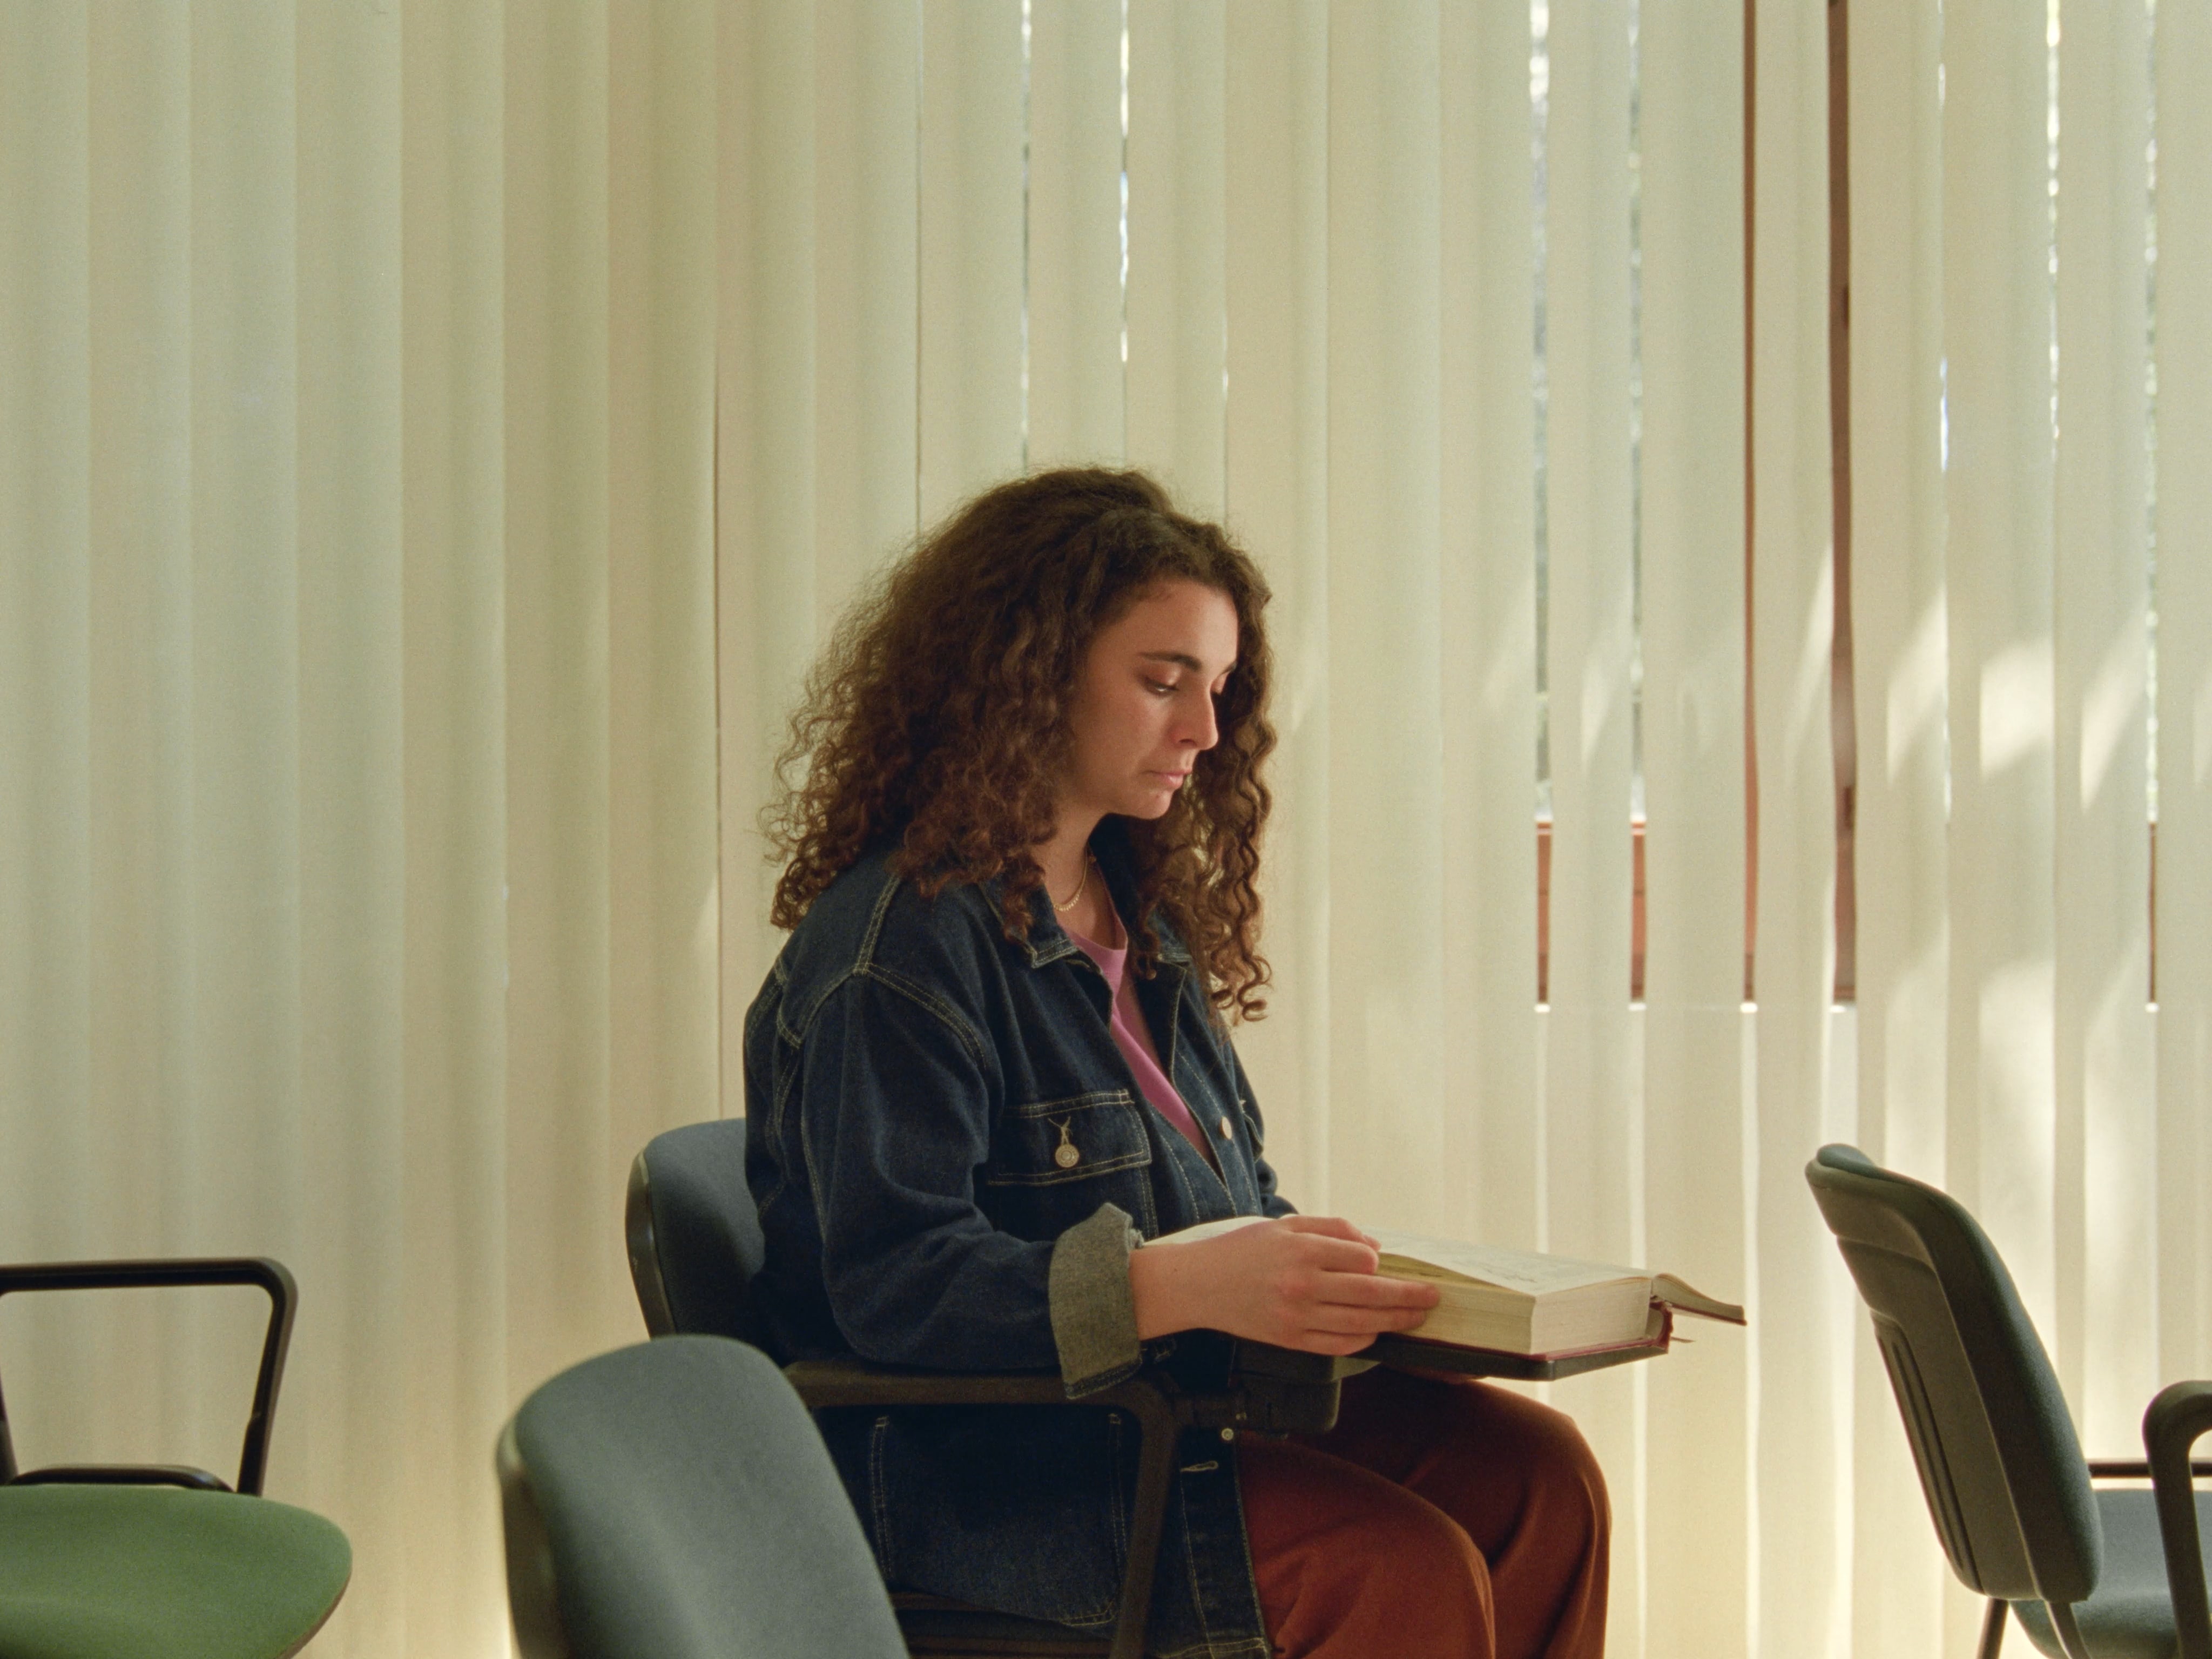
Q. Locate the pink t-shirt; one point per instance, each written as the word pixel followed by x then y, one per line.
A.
pixel 1134 1039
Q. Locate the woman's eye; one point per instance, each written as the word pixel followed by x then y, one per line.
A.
pixel 1158 689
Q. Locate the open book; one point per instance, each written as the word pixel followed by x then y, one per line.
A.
pixel 1519 1301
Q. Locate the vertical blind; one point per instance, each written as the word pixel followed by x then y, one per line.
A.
pixel 2030 311
pixel 358 858
pixel 434 440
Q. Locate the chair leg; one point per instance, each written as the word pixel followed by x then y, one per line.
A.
pixel 1156 1460
pixel 1993 1627
pixel 2069 1633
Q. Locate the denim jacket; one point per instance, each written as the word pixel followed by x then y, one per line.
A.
pixel 953 1163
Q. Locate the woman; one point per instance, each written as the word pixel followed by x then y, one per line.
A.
pixel 1020 863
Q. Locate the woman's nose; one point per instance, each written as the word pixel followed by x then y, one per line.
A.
pixel 1201 728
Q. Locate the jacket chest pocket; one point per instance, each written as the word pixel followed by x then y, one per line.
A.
pixel 1053 1143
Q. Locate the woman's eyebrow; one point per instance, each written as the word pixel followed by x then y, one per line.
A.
pixel 1180 659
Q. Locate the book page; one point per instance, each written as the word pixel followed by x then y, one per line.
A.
pixel 1525 1271
pixel 1443 1260
pixel 1677 1295
pixel 1206 1230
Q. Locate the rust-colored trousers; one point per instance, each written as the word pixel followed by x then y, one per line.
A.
pixel 1437 1520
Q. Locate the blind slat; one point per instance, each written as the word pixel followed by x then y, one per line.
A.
pixel 1178 87
pixel 1592 615
pixel 2106 1214
pixel 769 612
pixel 970 397
pixel 244 527
pixel 348 1365
pixel 1996 339
pixel 866 294
pixel 1801 1348
pixel 1593 1070
pixel 1899 625
pixel 661 574
pixel 2184 694
pixel 1487 542
pixel 558 812
pixel 45 670
pixel 1901 647
pixel 1076 404
pixel 48 673
pixel 1691 485
pixel 440 1539
pixel 1275 283
pixel 1386 936
pixel 138 481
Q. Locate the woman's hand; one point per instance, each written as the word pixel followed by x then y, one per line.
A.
pixel 1303 1282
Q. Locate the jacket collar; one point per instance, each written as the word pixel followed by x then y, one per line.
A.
pixel 1048 942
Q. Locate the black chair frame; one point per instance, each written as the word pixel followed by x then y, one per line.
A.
pixel 2177 1415
pixel 271 1276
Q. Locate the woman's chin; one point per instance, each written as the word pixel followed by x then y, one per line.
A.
pixel 1151 804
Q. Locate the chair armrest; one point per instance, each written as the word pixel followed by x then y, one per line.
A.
pixel 823 1384
pixel 269 1276
pixel 1271 1391
pixel 121 1474
pixel 2180 1414
pixel 2135 1469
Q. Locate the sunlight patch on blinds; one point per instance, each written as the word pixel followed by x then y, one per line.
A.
pixel 2183 358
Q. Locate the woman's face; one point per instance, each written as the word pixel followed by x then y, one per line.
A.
pixel 1144 700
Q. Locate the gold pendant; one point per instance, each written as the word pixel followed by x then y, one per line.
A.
pixel 1064 1154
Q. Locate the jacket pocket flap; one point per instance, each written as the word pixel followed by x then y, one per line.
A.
pixel 1047 1142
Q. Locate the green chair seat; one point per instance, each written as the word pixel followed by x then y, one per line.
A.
pixel 2130 1615
pixel 126 1572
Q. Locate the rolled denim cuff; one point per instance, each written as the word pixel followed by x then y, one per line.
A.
pixel 1094 1318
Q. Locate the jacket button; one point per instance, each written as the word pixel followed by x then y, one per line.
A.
pixel 1227 1133
pixel 1066 1155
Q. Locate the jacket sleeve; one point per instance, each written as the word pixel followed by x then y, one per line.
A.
pixel 897 1091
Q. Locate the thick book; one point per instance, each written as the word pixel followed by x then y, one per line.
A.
pixel 1520 1301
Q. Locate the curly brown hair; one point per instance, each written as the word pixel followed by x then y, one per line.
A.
pixel 935 723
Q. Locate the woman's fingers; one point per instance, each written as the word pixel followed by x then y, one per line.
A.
pixel 1342 1316
pixel 1333 1254
pixel 1335 1226
pixel 1373 1291
pixel 1347 1336
pixel 1302 1281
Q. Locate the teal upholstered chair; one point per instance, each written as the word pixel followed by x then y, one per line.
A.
pixel 694 1244
pixel 672 1501
pixel 2116 1573
pixel 121 1561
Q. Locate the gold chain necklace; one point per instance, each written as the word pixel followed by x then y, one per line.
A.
pixel 1076 896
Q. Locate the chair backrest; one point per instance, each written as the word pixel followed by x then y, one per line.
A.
pixel 673 1501
pixel 1999 1460
pixel 695 1238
